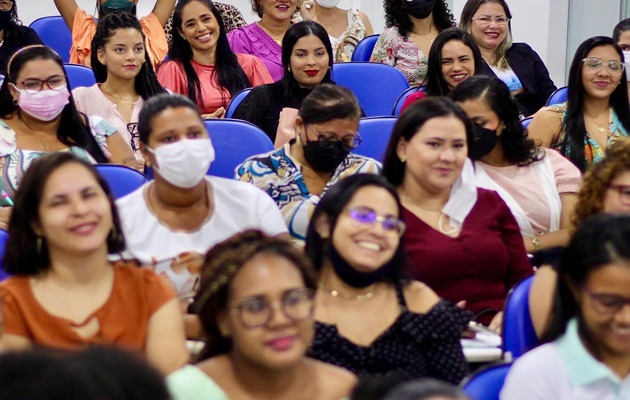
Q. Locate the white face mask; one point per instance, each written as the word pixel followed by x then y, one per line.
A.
pixel 328 3
pixel 626 60
pixel 185 162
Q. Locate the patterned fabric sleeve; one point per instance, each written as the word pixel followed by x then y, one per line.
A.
pixel 385 48
pixel 101 129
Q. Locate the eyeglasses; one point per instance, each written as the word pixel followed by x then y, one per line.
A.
pixel 132 128
pixel 55 82
pixel 297 305
pixel 606 304
pixel 367 216
pixel 595 64
pixel 624 193
pixel 487 20
pixel 6 5
pixel 329 142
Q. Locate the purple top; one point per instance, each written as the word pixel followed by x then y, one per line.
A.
pixel 252 39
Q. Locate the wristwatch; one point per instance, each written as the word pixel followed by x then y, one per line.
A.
pixel 536 243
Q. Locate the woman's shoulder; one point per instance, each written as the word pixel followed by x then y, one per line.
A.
pixel 420 298
pixel 192 383
pixel 336 381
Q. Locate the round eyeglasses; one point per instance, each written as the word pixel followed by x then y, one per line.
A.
pixel 606 303
pixel 595 65
pixel 367 216
pixel 34 85
pixel 624 193
pixel 296 304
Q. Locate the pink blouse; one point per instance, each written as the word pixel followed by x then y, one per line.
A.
pixel 252 39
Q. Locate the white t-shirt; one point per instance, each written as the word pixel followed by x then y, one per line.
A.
pixel 179 255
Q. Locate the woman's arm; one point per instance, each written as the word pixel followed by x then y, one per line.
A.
pixel 541 297
pixel 560 237
pixel 384 50
pixel 121 153
pixel 369 30
pixel 545 126
pixel 166 341
pixel 163 10
pixel 67 8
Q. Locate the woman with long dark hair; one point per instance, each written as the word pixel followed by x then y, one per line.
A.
pixel 124 77
pixel 412 26
pixel 202 66
pixel 13 35
pixel 307 58
pixel 596 113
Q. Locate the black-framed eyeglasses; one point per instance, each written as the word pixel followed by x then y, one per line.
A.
pixel 487 20
pixel 329 142
pixel 623 191
pixel 296 304
pixel 34 85
pixel 367 216
pixel 132 128
pixel 595 64
pixel 606 303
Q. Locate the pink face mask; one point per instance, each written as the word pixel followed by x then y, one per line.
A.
pixel 45 105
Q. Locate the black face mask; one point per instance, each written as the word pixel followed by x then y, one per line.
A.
pixel 324 157
pixel 356 278
pixel 484 140
pixel 108 7
pixel 5 19
pixel 420 9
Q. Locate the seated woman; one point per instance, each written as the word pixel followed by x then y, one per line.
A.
pixel 463 241
pixel 346 28
pixel 596 113
pixel 201 64
pixel 354 242
pixel 412 25
pixel 173 220
pixel 605 188
pixel 516 64
pixel 586 353
pixel 298 174
pixel 65 293
pixel 539 186
pixel 13 34
pixel 307 57
pixel 453 58
pixel 621 36
pixel 125 78
pixel 256 306
pixel 83 26
pixel 39 116
pixel 265 38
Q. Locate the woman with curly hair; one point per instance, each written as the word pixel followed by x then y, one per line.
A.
pixel 605 189
pixel 412 26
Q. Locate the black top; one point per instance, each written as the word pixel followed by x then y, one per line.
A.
pixel 263 105
pixel 416 345
pixel 15 38
pixel 533 74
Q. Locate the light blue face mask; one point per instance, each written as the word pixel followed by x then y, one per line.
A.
pixel 117 5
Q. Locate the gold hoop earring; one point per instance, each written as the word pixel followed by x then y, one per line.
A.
pixel 403 159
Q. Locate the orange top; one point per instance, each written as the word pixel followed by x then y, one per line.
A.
pixel 123 320
pixel 84 29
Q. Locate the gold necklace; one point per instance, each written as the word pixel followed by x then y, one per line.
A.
pixel 43 144
pixel 107 91
pixel 334 19
pixel 600 127
pixel 360 297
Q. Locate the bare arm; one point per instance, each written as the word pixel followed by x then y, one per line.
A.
pixel 121 152
pixel 67 8
pixel 11 342
pixel 560 237
pixel 369 30
pixel 166 342
pixel 5 215
pixel 162 10
pixel 541 297
pixel 545 126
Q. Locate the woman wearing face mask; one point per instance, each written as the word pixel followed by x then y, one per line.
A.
pixel 346 28
pixel 412 26
pixel 13 35
pixel 39 117
pixel 298 174
pixel 172 221
pixel 462 240
pixel 516 64
pixel 371 320
pixel 256 306
pixel 621 35
pixel 605 189
pixel 83 26
pixel 586 350
pixel 307 58
pixel 540 186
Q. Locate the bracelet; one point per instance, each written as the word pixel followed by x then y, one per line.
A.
pixel 536 243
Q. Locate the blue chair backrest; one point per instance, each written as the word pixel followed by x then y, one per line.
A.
pixel 235 101
pixel 122 180
pixel 375 133
pixel 526 121
pixel 364 48
pixel 55 34
pixel 79 75
pixel 518 330
pixel 234 141
pixel 486 383
pixel 403 96
pixel 558 97
pixel 4 236
pixel 377 86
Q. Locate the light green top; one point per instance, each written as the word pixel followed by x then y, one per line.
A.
pixel 191 383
